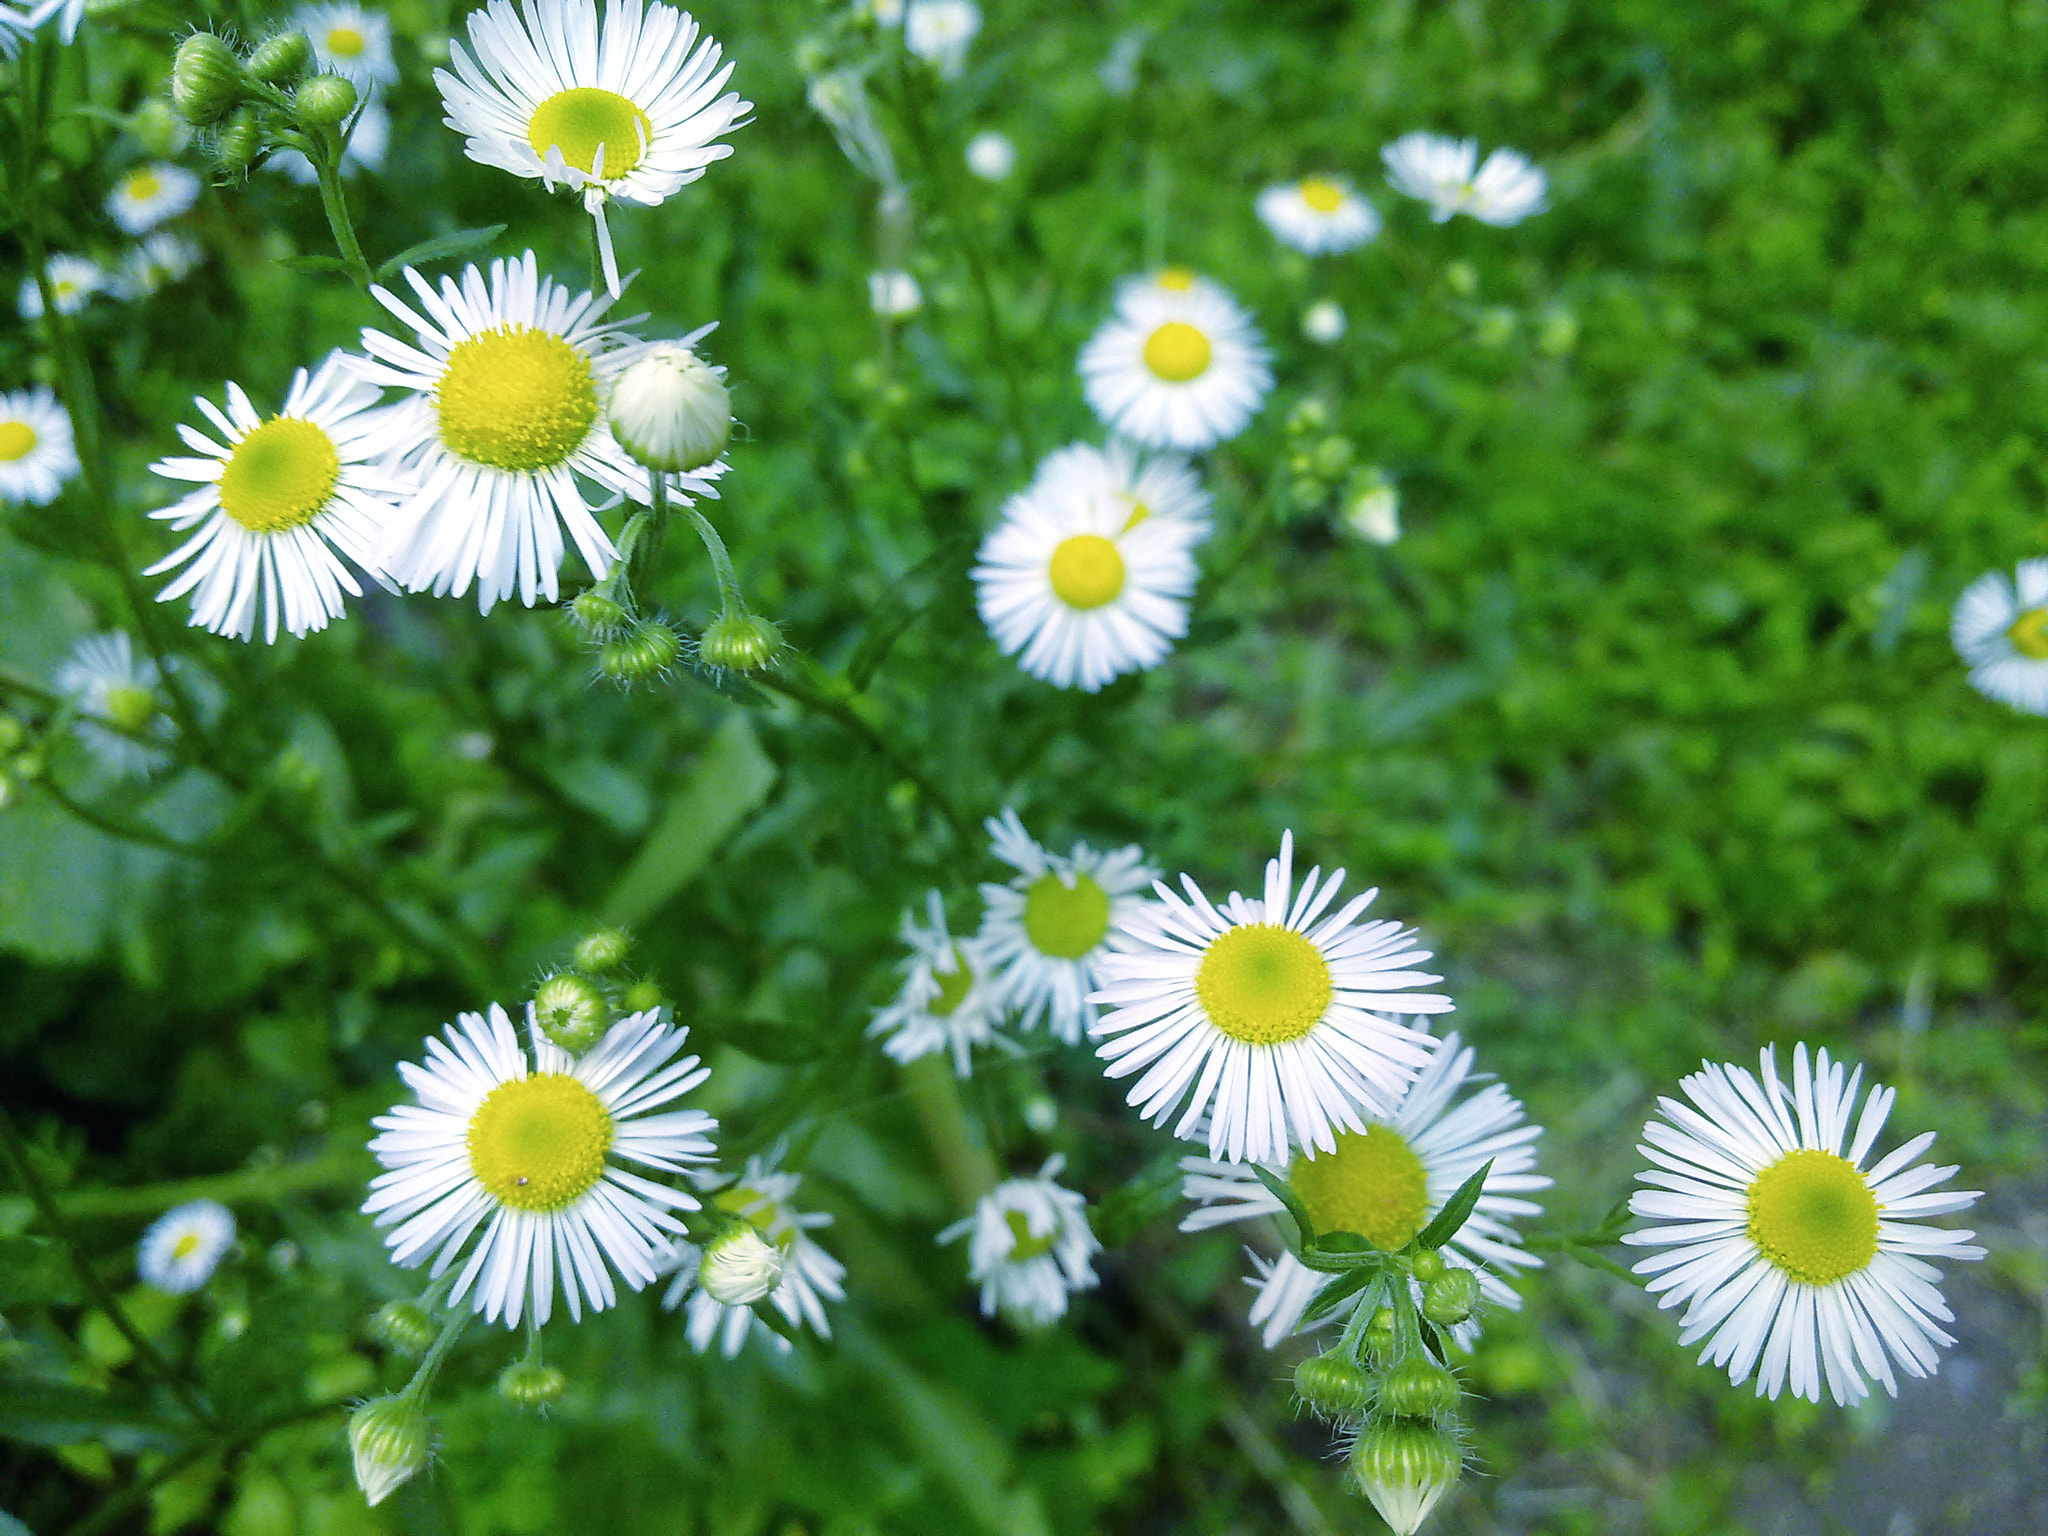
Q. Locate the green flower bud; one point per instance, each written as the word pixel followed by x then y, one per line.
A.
pixel 1333 1387
pixel 670 410
pixel 1379 1334
pixel 324 101
pixel 128 707
pixel 1450 1297
pixel 1427 1265
pixel 531 1384
pixel 603 950
pixel 571 1012
pixel 739 642
pixel 1418 1388
pixel 206 79
pixel 403 1328
pixel 1404 1469
pixel 391 1443
pixel 281 58
pixel 158 128
pixel 640 996
pixel 646 650
pixel 596 615
pixel 240 141
pixel 740 1267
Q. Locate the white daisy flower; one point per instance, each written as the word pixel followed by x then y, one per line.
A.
pixel 1507 190
pixel 761 1197
pixel 184 1246
pixel 1317 214
pixel 73 281
pixel 2000 628
pixel 1087 575
pixel 1175 369
pixel 505 412
pixel 115 694
pixel 1261 1014
pixel 629 110
pixel 894 294
pixel 1170 282
pixel 938 31
pixel 1323 322
pixel 367 146
pixel 1440 172
pixel 36 452
pixel 1791 1258
pixel 1043 930
pixel 161 259
pixel 1029 1247
pixel 279 501
pixel 527 1151
pixel 949 999
pixel 149 194
pixel 1386 1183
pixel 351 41
pixel 991 156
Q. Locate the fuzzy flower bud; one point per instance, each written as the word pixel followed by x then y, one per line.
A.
pixel 670 410
pixel 739 642
pixel 596 615
pixel 206 79
pixel 571 1012
pixel 1450 1297
pixel 324 101
pixel 646 650
pixel 740 1268
pixel 391 1443
pixel 403 1328
pixel 1333 1387
pixel 603 950
pixel 1404 1469
pixel 531 1384
pixel 240 141
pixel 640 996
pixel 1419 1388
pixel 281 58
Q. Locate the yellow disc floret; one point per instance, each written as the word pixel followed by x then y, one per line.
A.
pixel 1322 195
pixel 515 397
pixel 1813 1216
pixel 142 185
pixel 280 475
pixel 2028 634
pixel 1263 984
pixel 1175 279
pixel 1177 352
pixel 1024 1246
pixel 747 1203
pixel 1086 571
pixel 17 441
pixel 186 1245
pixel 1063 921
pixel 539 1142
pixel 581 121
pixel 344 42
pixel 127 706
pixel 1373 1184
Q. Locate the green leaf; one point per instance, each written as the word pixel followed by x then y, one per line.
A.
pixel 1284 1192
pixel 313 263
pixel 34 1270
pixel 439 248
pixel 730 781
pixel 1342 1242
pixel 1339 1291
pixel 57 1413
pixel 1456 1209
pixel 1133 1206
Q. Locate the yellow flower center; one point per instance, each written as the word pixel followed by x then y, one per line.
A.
pixel 583 120
pixel 735 1202
pixel 515 397
pixel 1322 195
pixel 2028 633
pixel 1373 1184
pixel 1086 571
pixel 17 441
pixel 539 1142
pixel 953 987
pixel 1177 352
pixel 186 1245
pixel 141 186
pixel 1812 1215
pixel 129 707
pixel 1175 279
pixel 344 42
pixel 1024 1246
pixel 1065 923
pixel 280 475
pixel 1263 984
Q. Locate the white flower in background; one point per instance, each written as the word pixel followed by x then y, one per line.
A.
pixel 351 41
pixel 1323 322
pixel 1029 1247
pixel 1507 190
pixel 1043 930
pixel 1087 575
pixel 1440 172
pixel 66 13
pixel 1386 1183
pixel 630 110
pixel 115 694
pixel 531 1153
pixel 1318 214
pixel 279 501
pixel 2000 628
pixel 949 999
pixel 1373 509
pixel 184 1246
pixel 36 452
pixel 1175 369
pixel 894 294
pixel 73 281
pixel 991 156
pixel 1269 1019
pixel 161 259
pixel 886 13
pixel 149 194
pixel 1790 1257
pixel 367 147
pixel 938 31
pixel 760 1198
pixel 1169 282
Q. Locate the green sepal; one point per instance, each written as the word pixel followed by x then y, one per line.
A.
pixel 1282 1191
pixel 1456 1209
pixel 1337 1292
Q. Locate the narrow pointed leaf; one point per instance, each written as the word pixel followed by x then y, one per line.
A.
pixel 1456 1209
pixel 1337 1292
pixel 1284 1193
pixel 440 248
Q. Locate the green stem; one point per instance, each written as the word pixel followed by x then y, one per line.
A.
pixel 729 598
pixel 249 1186
pixel 124 831
pixel 964 1161
pixel 423 1379
pixel 327 163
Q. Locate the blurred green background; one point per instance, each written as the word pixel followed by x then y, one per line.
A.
pixel 1649 720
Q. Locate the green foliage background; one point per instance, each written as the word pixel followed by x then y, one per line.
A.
pixel 1649 720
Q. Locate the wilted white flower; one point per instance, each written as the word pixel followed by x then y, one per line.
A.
pixel 162 258
pixel 948 1001
pixel 1440 172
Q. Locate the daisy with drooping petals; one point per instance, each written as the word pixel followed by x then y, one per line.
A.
pixel 505 413
pixel 149 194
pixel 280 500
pixel 1269 1019
pixel 115 694
pixel 350 41
pixel 531 1153
pixel 948 1000
pixel 1386 1183
pixel 1440 172
pixel 1317 214
pixel 1791 1258
pixel 1043 930
pixel 761 1197
pixel 162 258
pixel 1175 369
pixel 1029 1247
pixel 184 1246
pixel 36 451
pixel 73 282
pixel 628 110
pixel 2000 628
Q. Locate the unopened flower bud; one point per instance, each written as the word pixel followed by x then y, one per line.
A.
pixel 240 141
pixel 603 950
pixel 206 79
pixel 646 650
pixel 670 409
pixel 1418 1388
pixel 1333 1387
pixel 1379 1334
pixel 324 101
pixel 403 1327
pixel 741 1267
pixel 595 614
pixel 1404 1469
pixel 640 996
pixel 158 128
pixel 531 1384
pixel 1450 1297
pixel 281 58
pixel 391 1443
pixel 571 1012
pixel 1427 1265
pixel 739 642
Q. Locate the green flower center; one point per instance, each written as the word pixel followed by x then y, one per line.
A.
pixel 17 441
pixel 581 121
pixel 1177 352
pixel 1086 571
pixel 1024 1246
pixel 539 1142
pixel 1065 922
pixel 2029 634
pixel 345 43
pixel 1263 984
pixel 280 475
pixel 1373 1184
pixel 1813 1216
pixel 186 1245
pixel 1322 195
pixel 129 707
pixel 953 987
pixel 515 397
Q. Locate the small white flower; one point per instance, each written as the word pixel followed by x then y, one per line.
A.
pixel 73 281
pixel 367 146
pixel 1790 1257
pixel 938 31
pixel 949 999
pixel 1323 322
pixel 115 693
pixel 1440 172
pixel 2000 628
pixel 351 41
pixel 894 294
pixel 670 409
pixel 149 194
pixel 1318 214
pixel 183 1247
pixel 886 13
pixel 1029 1247
pixel 1373 510
pixel 991 156
pixel 1507 189
pixel 36 452
pixel 1273 1022
pixel 740 1268
pixel 760 1197
pixel 160 259
pixel 1175 368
